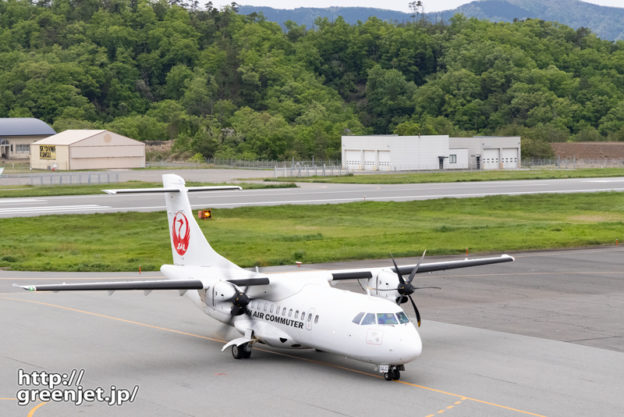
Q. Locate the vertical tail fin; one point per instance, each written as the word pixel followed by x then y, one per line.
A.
pixel 188 244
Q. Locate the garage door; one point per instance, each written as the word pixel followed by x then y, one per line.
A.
pixel 384 161
pixel 353 159
pixel 370 160
pixel 510 158
pixel 490 159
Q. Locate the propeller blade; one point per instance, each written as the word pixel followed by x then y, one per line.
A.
pixel 396 268
pixel 415 310
pixel 415 270
pixel 424 288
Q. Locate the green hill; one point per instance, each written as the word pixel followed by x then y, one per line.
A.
pixel 223 84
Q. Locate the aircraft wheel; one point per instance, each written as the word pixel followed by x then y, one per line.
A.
pixel 241 352
pixel 388 376
pixel 247 351
pixel 395 374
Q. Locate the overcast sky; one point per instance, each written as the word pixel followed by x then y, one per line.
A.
pixel 402 5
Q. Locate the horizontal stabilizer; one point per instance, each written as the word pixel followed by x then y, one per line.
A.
pixel 162 284
pixel 171 190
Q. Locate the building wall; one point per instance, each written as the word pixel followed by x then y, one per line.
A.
pixel 384 153
pixel 107 150
pixel 19 146
pixel 101 151
pixel 59 160
pixel 460 160
pixel 490 152
pixel 589 150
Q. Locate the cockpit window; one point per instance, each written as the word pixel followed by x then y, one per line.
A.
pixel 368 319
pixel 402 317
pixel 358 318
pixel 386 318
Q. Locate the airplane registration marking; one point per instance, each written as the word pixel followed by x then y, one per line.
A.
pixel 287 355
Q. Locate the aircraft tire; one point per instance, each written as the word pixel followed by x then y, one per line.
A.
pixel 241 352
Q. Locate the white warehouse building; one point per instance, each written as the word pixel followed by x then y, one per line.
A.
pixel 408 153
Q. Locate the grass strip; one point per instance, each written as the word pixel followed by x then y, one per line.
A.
pixel 319 233
pixel 13 191
pixel 462 176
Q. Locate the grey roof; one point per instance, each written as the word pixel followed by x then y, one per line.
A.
pixel 24 126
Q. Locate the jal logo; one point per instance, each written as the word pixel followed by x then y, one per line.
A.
pixel 180 232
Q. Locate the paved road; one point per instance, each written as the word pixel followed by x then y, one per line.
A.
pixel 306 194
pixel 540 337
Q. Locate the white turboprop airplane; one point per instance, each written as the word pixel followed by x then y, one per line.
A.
pixel 286 310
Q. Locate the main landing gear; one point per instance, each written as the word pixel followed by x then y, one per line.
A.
pixel 241 352
pixel 391 372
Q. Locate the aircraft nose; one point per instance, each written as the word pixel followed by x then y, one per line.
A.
pixel 410 345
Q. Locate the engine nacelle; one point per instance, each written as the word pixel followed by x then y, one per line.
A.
pixel 217 293
pixel 223 291
pixel 384 285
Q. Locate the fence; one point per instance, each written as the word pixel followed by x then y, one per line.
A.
pixel 309 171
pixel 572 163
pixel 74 178
pixel 244 164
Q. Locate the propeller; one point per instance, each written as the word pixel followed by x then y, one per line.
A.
pixel 405 288
pixel 240 300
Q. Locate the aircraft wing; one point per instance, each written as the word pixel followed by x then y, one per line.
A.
pixel 158 284
pixel 424 267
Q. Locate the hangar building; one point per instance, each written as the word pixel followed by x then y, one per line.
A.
pixel 17 133
pixel 87 149
pixel 405 153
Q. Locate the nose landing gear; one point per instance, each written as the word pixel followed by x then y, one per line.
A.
pixel 391 372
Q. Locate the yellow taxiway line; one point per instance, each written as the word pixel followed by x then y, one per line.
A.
pixel 328 364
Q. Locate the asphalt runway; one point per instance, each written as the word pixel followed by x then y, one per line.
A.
pixel 543 336
pixel 308 193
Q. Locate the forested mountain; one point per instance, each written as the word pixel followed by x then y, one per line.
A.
pixel 220 83
pixel 606 22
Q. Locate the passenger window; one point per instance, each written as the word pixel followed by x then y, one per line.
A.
pixel 386 318
pixel 368 319
pixel 316 319
pixel 290 312
pixel 297 314
pixel 271 309
pixel 303 315
pixel 265 308
pixel 358 318
pixel 402 317
pixel 309 317
pixel 284 312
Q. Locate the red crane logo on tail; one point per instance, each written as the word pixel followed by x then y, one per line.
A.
pixel 180 232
